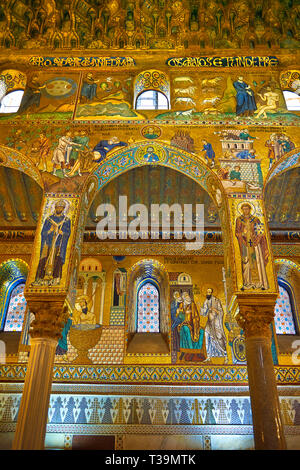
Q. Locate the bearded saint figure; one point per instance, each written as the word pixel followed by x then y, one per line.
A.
pixel 253 249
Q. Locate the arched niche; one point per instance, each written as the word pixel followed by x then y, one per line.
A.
pixel 153 81
pixel 13 273
pixel 139 345
pixel 290 86
pixel 12 86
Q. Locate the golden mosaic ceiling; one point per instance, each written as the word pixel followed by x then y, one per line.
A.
pixel 149 24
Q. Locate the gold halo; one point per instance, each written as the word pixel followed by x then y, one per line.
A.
pixel 246 202
pixel 209 285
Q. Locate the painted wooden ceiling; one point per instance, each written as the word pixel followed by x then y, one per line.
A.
pixel 149 24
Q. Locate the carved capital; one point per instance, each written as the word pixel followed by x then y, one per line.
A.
pixel 255 321
pixel 256 314
pixel 50 317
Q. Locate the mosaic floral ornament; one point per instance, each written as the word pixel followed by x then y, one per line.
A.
pixel 288 78
pixel 152 79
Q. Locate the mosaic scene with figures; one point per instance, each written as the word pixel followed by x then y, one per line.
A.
pixel 149 225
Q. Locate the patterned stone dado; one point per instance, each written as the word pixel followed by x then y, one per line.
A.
pixel 157 411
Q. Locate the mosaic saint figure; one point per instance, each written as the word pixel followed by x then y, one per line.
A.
pixel 215 338
pixel 119 289
pixel 81 313
pixel 253 249
pixel 89 87
pixel 150 156
pixel 54 241
pixel 32 94
pixel 176 321
pixel 245 100
pixel 192 339
pixel 62 346
pixel 209 153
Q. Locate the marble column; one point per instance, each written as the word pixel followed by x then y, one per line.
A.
pixel 33 412
pixel 255 316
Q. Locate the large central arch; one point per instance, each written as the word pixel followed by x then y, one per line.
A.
pixel 138 154
pixel 161 154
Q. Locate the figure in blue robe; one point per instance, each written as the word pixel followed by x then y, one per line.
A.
pixel 54 240
pixel 150 156
pixel 176 321
pixel 104 146
pixel 62 346
pixel 245 100
pixel 209 153
pixel 89 87
pixel 245 154
pixel 32 95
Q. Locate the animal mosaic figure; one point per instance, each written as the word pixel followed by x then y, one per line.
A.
pixel 185 100
pixel 185 91
pixel 183 79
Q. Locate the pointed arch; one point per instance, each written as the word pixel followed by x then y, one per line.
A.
pixel 13 272
pixel 141 273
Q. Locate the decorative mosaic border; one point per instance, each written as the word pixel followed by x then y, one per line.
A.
pixel 149 249
pixel 154 374
pixel 151 390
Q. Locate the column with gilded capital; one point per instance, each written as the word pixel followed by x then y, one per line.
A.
pixel 255 316
pixel 32 418
pixel 50 287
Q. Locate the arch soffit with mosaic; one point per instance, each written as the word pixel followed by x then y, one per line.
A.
pixel 288 264
pixel 131 157
pixel 287 162
pixel 11 270
pixel 11 158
